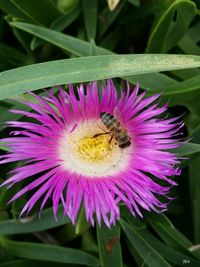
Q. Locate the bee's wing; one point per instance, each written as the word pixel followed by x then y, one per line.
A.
pixel 100 125
pixel 118 115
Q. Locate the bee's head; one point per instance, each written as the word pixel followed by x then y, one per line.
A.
pixel 127 144
pixel 101 114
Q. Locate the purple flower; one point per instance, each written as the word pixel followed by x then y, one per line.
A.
pixel 72 147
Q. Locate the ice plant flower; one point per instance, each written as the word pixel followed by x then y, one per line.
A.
pixel 69 154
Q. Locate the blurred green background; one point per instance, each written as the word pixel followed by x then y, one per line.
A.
pixel 88 35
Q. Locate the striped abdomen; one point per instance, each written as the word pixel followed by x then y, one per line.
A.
pixel 116 129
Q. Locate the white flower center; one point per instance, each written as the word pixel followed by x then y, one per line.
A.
pixel 85 152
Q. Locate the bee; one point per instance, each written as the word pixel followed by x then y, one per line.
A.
pixel 114 125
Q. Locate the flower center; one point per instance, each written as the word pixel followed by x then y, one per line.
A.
pixel 89 156
pixel 95 149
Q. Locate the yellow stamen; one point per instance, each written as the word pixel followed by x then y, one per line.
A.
pixel 95 149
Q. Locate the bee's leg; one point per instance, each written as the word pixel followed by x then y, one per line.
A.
pixel 110 140
pixel 96 135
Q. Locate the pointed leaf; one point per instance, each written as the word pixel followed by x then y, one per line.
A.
pixel 187 149
pixel 39 11
pixel 109 246
pixel 32 77
pixel 45 252
pixel 150 256
pixel 34 223
pixel 171 235
pixel 171 26
pixel 90 17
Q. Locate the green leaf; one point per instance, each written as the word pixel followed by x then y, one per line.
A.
pixel 4 147
pixel 33 223
pixel 188 46
pixel 196 134
pixel 25 40
pixel 134 2
pixel 193 32
pixel 153 81
pixel 59 24
pixel 187 149
pixel 190 99
pixel 182 87
pixel 89 242
pixel 184 93
pixel 90 17
pixel 186 74
pixel 45 252
pixel 66 5
pixel 194 186
pixel 7 116
pixel 64 21
pixel 189 43
pixel 150 256
pixel 32 77
pixel 194 183
pixel 167 252
pixel 109 245
pixel 81 48
pixel 81 224
pixel 8 104
pixel 33 263
pixel 172 236
pixel 10 57
pixel 39 11
pixel 71 44
pixel 171 26
pixel 11 9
